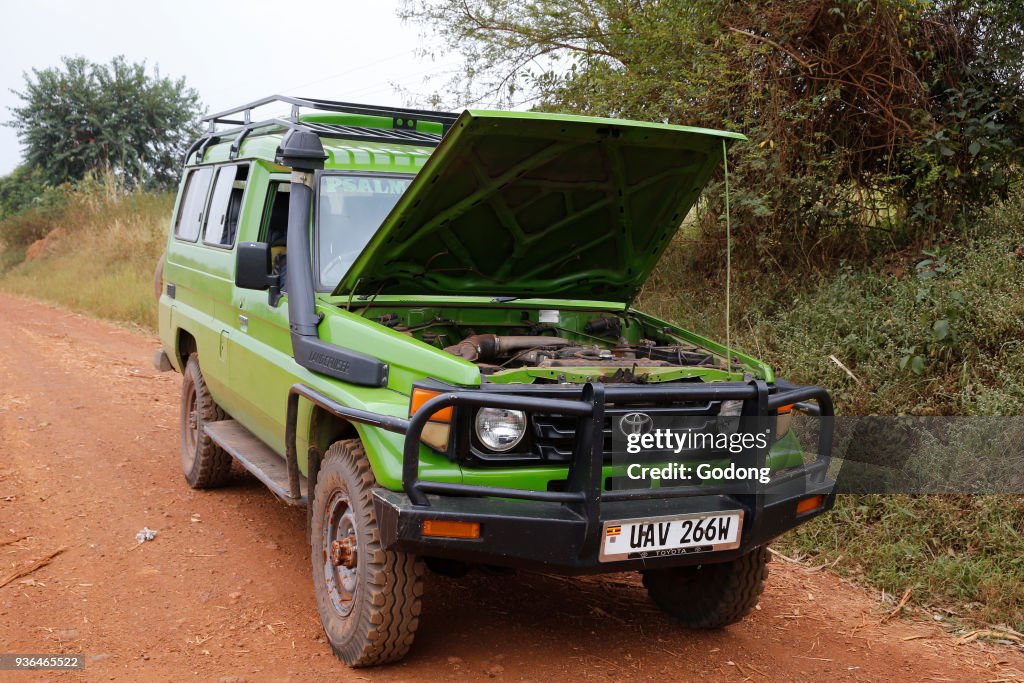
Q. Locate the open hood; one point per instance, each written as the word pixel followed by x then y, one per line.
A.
pixel 517 204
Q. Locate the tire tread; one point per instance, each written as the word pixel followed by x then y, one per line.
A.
pixel 394 580
pixel 710 596
pixel 212 466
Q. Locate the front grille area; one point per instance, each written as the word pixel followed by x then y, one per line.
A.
pixel 553 437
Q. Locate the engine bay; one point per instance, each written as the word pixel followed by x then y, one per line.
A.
pixel 541 345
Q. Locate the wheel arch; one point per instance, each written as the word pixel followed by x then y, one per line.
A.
pixel 325 428
pixel 184 345
pixel 322 430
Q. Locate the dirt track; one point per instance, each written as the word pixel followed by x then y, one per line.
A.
pixel 89 456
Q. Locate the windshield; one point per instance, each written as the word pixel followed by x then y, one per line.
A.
pixel 351 208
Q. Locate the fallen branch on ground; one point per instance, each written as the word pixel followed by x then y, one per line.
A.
pixel 31 567
pixel 13 540
pixel 899 607
pixel 781 556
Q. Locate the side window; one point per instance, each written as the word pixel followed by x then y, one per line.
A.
pixel 225 205
pixel 193 201
pixel 275 225
pixel 275 222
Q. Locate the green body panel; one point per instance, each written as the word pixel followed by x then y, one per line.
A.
pixel 368 121
pixel 341 154
pixel 248 364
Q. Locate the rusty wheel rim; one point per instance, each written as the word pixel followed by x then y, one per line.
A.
pixel 340 553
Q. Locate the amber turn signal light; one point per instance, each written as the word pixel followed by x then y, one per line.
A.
pixel 451 529
pixel 783 420
pixel 421 396
pixel 809 504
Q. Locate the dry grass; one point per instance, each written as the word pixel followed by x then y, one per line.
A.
pixel 100 260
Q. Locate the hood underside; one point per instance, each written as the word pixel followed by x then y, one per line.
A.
pixel 518 204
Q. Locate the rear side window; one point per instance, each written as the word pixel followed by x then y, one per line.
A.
pixel 225 205
pixel 193 201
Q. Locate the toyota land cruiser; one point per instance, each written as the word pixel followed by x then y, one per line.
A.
pixel 420 325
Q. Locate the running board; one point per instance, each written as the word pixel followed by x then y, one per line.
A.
pixel 257 457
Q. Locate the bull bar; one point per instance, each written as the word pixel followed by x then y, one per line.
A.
pixel 562 529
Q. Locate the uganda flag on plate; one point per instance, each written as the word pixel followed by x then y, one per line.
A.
pixel 613 531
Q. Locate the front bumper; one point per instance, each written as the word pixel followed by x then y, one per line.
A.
pixel 554 537
pixel 562 530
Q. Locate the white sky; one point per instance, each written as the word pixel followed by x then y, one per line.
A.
pixel 231 52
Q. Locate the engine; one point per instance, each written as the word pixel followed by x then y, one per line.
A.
pixel 493 352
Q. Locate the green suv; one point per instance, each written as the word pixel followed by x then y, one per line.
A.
pixel 419 325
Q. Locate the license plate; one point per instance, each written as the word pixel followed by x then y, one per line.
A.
pixel 633 539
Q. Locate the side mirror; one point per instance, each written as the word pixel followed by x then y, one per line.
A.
pixel 253 267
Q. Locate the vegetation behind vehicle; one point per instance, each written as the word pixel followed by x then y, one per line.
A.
pixel 871 123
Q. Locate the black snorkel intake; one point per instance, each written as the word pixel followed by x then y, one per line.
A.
pixel 304 153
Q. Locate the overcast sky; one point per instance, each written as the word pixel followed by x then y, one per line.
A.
pixel 231 52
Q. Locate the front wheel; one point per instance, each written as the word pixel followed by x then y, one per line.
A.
pixel 368 597
pixel 710 595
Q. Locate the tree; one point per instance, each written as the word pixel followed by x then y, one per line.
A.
pixel 86 117
pixel 870 121
pixel 17 191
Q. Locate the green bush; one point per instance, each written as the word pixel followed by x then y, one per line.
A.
pixel 882 320
pixel 926 332
pixel 35 222
pixel 18 191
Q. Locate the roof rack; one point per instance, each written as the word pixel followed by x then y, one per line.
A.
pixel 403 122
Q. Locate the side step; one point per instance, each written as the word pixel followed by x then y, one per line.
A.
pixel 257 457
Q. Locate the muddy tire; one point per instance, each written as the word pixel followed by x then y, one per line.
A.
pixel 203 462
pixel 710 595
pixel 368 598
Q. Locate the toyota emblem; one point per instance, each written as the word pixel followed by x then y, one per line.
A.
pixel 635 423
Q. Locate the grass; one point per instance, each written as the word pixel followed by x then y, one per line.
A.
pixel 961 551
pixel 871 316
pixel 102 258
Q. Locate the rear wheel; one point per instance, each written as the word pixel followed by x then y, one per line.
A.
pixel 205 464
pixel 710 595
pixel 368 597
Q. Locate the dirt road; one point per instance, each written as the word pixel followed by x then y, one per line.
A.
pixel 89 456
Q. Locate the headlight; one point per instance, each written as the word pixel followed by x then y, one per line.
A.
pixel 729 416
pixel 500 429
pixel 731 409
